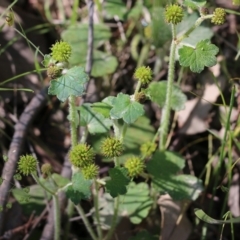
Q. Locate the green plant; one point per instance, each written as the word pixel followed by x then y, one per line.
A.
pixel 154 164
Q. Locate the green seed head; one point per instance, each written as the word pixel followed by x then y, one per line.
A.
pixel 219 15
pixel 61 51
pixel 174 14
pixel 111 147
pixel 46 170
pixel 140 97
pixel 53 72
pixel 143 74
pixel 90 171
pixel 135 166
pixel 27 165
pixel 148 148
pixel 81 155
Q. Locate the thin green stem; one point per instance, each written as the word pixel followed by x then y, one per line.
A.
pixel 28 41
pixel 114 219
pixel 96 206
pixel 8 8
pixel 56 207
pixel 73 124
pixel 35 177
pixel 191 29
pixel 86 222
pixel 57 218
pixel 165 119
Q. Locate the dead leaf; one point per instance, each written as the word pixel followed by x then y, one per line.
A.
pixel 174 225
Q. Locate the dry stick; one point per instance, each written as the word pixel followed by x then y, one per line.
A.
pixel 14 152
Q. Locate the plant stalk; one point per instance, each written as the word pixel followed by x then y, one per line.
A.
pixel 165 119
pixel 73 124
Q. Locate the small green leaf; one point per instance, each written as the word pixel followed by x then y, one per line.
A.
pixel 204 217
pixel 157 93
pixel 95 122
pixel 60 180
pixel 81 185
pixel 126 109
pixel 71 83
pixel 46 60
pixel 74 196
pixel 137 202
pixel 163 167
pixel 199 57
pixel 119 180
pixel 179 187
pixel 101 107
pixel 165 163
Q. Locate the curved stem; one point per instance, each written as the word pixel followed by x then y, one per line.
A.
pixel 167 108
pixel 86 222
pixel 35 177
pixel 114 220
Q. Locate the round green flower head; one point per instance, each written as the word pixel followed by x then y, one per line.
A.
pixel 61 51
pixel 174 14
pixel 90 171
pixel 27 165
pixel 53 72
pixel 148 148
pixel 135 166
pixel 81 155
pixel 143 74
pixel 111 147
pixel 219 15
pixel 46 170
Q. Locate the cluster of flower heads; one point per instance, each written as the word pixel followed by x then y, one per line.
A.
pixel 82 157
pixel 174 14
pixel 60 53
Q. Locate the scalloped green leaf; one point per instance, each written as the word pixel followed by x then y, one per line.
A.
pixel 126 109
pixel 137 202
pixel 157 93
pixel 101 107
pixel 77 35
pixel 103 63
pixel 165 163
pixel 95 122
pixel 80 188
pixel 71 83
pixel 204 55
pixel 179 187
pixel 118 183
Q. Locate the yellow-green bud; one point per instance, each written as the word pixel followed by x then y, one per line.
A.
pixel 148 148
pixel 9 19
pixel 174 14
pixel 81 155
pixel 135 166
pixel 46 170
pixel 61 51
pixel 219 15
pixel 27 165
pixel 111 147
pixel 143 74
pixel 90 171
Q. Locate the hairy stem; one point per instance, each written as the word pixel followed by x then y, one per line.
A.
pixel 165 119
pixel 57 218
pixel 73 124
